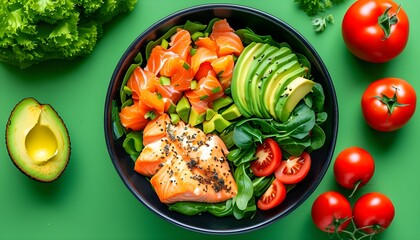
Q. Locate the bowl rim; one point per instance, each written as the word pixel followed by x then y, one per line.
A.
pixel 233 7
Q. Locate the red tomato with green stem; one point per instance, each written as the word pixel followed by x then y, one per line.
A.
pixel 353 168
pixel 331 212
pixel 294 169
pixel 373 212
pixel 388 104
pixel 375 30
pixel 268 158
pixel 273 196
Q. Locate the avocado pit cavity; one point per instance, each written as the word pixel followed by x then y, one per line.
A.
pixel 41 144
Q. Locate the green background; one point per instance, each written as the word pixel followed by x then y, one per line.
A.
pixel 89 201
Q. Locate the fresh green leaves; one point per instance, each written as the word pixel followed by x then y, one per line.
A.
pixel 133 144
pixel 293 135
pixel 320 23
pixel 314 9
pixel 35 31
pixel 244 135
pixel 193 208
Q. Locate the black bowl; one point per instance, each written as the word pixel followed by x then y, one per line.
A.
pixel 263 24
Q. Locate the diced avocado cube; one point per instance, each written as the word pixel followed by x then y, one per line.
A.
pixel 196 117
pixel 209 126
pixel 231 113
pixel 183 109
pixel 175 118
pixel 221 103
pixel 210 114
pixel 220 123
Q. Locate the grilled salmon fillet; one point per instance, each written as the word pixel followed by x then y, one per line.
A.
pixel 187 165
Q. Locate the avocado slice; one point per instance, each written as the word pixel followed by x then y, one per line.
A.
pixel 273 83
pixel 37 140
pixel 281 87
pixel 260 59
pixel 296 91
pixel 268 62
pixel 241 76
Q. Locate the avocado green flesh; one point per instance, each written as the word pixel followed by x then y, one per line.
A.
pixel 281 87
pixel 258 60
pixel 196 117
pixel 296 90
pixel 262 74
pixel 274 82
pixel 239 78
pixel 37 140
pixel 271 62
pixel 217 123
pixel 183 109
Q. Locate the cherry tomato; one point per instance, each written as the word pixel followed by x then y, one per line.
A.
pixel 294 169
pixel 388 104
pixel 331 212
pixel 269 157
pixel 205 70
pixel 375 30
pixel 273 196
pixel 373 212
pixel 353 167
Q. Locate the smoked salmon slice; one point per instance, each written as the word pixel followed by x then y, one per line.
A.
pixel 187 165
pixel 181 43
pixel 223 66
pixel 227 40
pixel 158 58
pixel 202 55
pixel 141 79
pixel 133 117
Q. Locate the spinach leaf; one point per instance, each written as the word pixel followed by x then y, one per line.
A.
pixel 300 122
pixel 239 156
pixel 261 185
pixel 317 138
pixel 193 208
pixel 248 212
pixel 117 127
pixel 209 27
pixel 245 188
pixel 128 73
pixel 193 27
pixel 133 144
pixel 248 36
pixel 244 135
pixel 321 117
pixel 318 97
pixel 293 146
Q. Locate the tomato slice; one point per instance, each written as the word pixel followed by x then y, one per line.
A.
pixel 294 169
pixel 273 196
pixel 269 158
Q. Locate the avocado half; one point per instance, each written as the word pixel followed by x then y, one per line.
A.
pixel 37 140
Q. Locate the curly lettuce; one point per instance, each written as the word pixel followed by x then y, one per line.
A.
pixel 33 31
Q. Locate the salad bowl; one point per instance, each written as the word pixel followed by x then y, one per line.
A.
pixel 238 17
